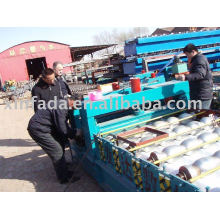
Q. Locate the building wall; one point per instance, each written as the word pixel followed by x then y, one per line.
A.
pixel 12 60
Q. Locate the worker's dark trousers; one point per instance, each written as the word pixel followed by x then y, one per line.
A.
pixel 54 150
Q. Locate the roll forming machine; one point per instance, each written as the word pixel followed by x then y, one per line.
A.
pixel 146 149
pixel 132 149
pixel 174 152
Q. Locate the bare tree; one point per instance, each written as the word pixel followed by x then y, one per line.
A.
pixel 140 31
pixel 118 37
pixel 104 38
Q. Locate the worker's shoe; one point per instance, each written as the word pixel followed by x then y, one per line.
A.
pixel 71 165
pixel 63 173
pixel 79 141
pixel 70 178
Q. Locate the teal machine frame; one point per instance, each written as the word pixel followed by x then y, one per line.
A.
pixel 103 160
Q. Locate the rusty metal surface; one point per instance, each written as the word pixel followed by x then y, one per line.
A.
pixel 160 135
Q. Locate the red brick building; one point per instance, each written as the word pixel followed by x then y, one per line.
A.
pixel 30 58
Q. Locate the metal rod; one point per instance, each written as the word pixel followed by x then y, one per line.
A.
pixel 191 116
pixel 183 119
pixel 170 137
pixel 153 119
pixel 185 151
pixel 204 174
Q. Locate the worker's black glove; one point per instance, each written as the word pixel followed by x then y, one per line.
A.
pixel 67 144
pixel 71 133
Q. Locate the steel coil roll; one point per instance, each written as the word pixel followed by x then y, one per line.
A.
pixel 187 172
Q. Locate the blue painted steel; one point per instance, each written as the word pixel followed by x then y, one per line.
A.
pixel 176 45
pixel 129 68
pixel 154 92
pixel 174 36
pixel 179 185
pixel 198 34
pixel 146 78
pixel 170 61
pixel 152 66
pixel 76 119
pixel 168 42
pixel 143 46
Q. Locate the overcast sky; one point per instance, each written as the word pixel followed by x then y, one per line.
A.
pixel 74 36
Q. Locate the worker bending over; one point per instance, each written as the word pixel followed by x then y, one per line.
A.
pixel 49 128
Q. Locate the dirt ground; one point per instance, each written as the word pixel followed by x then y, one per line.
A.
pixel 24 167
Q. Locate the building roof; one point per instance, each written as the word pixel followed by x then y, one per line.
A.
pixel 168 30
pixel 160 31
pixel 36 41
pixel 78 52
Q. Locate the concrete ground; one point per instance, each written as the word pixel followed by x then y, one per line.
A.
pixel 24 167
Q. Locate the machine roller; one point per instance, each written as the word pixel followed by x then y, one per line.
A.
pixel 185 153
pixel 143 150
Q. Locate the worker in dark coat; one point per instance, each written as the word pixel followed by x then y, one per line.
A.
pixel 47 88
pixel 49 128
pixel 65 90
pixel 200 77
pixel 58 70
